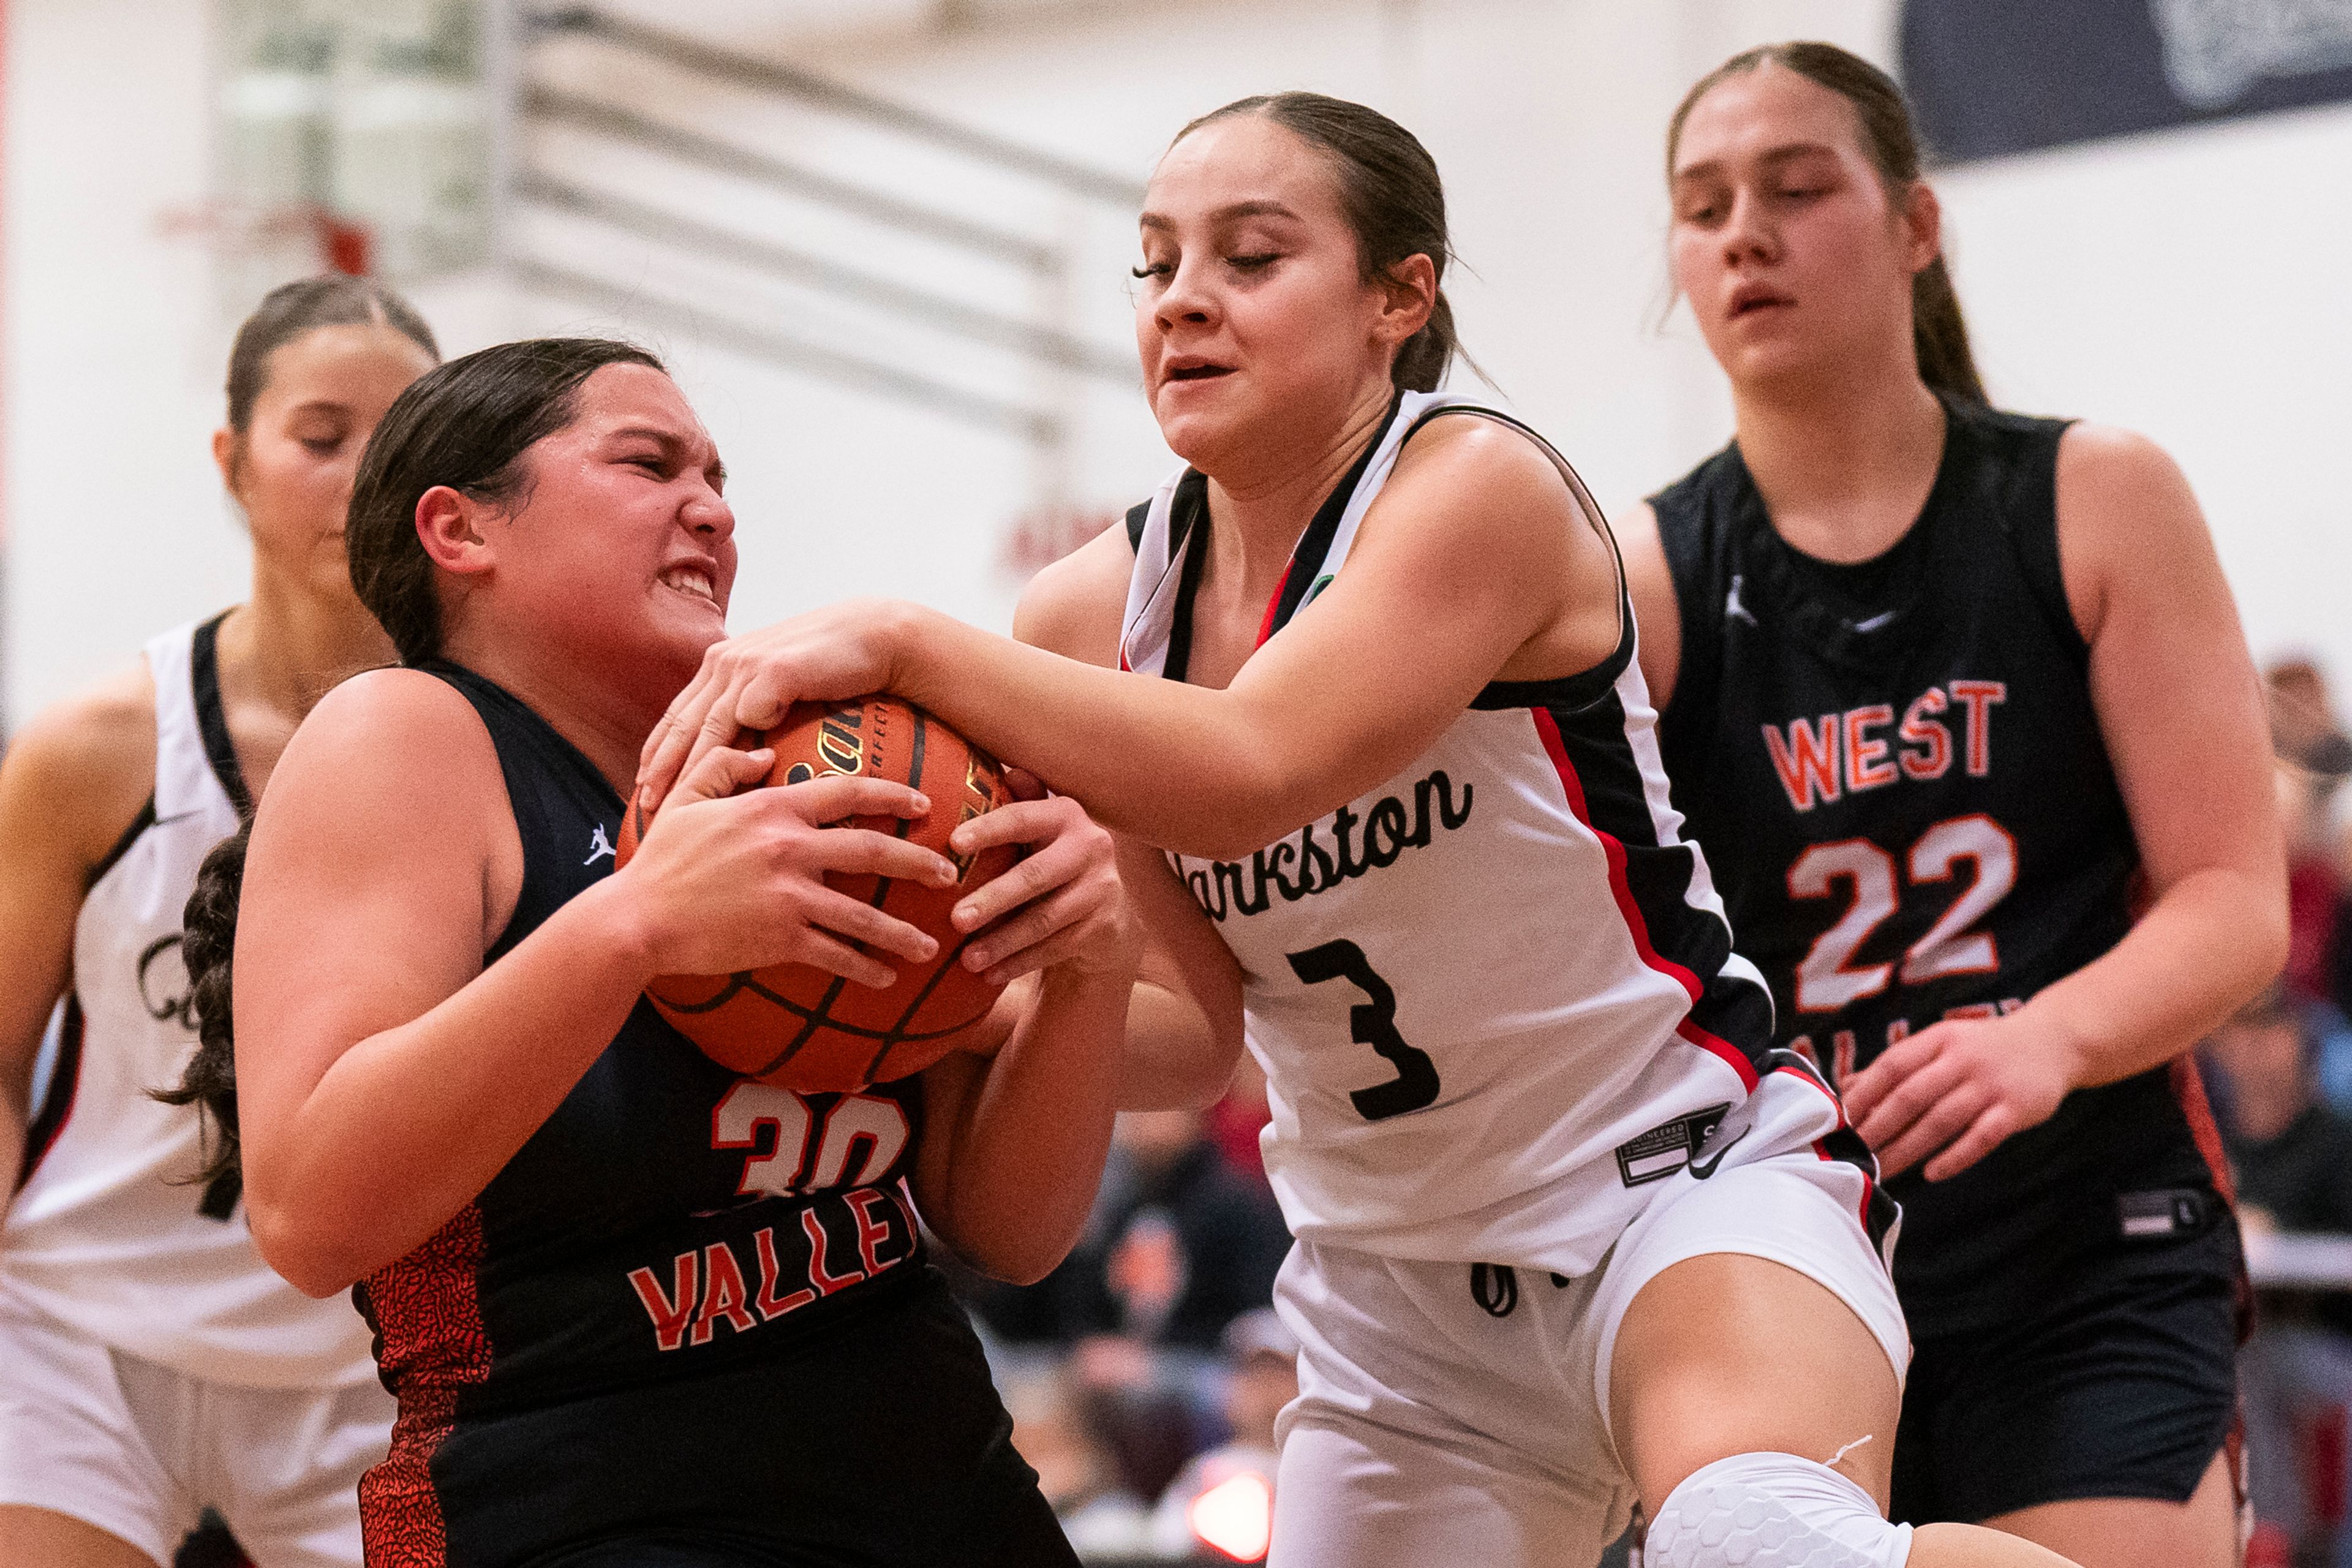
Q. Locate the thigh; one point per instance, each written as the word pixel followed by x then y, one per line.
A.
pixel 37 1538
pixel 76 1465
pixel 287 1467
pixel 1350 1494
pixel 2139 1532
pixel 1752 1313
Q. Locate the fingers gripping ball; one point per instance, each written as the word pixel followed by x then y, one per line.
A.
pixel 799 1028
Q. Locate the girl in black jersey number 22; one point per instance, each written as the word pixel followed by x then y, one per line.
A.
pixel 1556 1202
pixel 1941 686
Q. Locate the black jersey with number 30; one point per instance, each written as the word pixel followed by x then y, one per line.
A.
pixel 1898 776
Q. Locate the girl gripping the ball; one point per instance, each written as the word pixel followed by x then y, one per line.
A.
pixel 636 1309
pixel 1942 685
pixel 1557 1200
pixel 151 1364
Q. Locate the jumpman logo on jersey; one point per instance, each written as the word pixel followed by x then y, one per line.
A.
pixel 598 846
pixel 1733 610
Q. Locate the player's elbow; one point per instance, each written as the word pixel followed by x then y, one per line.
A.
pixel 2265 934
pixel 305 1254
pixel 1016 1255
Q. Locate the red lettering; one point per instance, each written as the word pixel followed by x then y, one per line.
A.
pixel 1866 766
pixel 1803 1045
pixel 670 1317
pixel 772 1306
pixel 827 1283
pixel 868 1230
pixel 723 1294
pixel 1978 697
pixel 1897 1032
pixel 1934 755
pixel 1807 761
pixel 1841 1054
pixel 1974 1010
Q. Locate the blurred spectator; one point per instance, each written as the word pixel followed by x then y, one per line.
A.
pixel 2293 1158
pixel 1225 1496
pixel 2313 758
pixel 1179 1245
pixel 1076 1469
pixel 2304 726
pixel 2292 1153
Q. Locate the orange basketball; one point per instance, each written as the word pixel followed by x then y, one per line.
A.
pixel 802 1029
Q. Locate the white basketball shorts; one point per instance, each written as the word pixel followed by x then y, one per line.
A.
pixel 1454 1414
pixel 138 1450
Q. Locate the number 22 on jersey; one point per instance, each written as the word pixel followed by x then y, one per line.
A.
pixel 1828 979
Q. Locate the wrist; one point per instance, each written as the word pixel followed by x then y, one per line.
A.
pixel 907 630
pixel 617 930
pixel 2065 1042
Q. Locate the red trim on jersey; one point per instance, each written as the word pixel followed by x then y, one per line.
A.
pixel 1869 1182
pixel 1265 626
pixel 428 1313
pixel 1555 747
pixel 2189 1090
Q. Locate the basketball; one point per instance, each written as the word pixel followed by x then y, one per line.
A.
pixel 799 1029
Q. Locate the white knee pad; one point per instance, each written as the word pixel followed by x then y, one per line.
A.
pixel 1772 1511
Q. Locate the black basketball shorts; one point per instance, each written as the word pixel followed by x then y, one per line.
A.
pixel 2120 1383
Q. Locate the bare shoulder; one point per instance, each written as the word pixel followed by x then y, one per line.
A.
pixel 2104 467
pixel 1073 607
pixel 1485 464
pixel 384 736
pixel 84 766
pixel 2126 514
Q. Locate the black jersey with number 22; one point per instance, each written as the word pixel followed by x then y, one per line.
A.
pixel 1897 774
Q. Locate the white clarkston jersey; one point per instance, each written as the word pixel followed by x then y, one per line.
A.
pixel 1495 998
pixel 107 1232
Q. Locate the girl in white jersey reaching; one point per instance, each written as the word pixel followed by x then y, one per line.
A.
pixel 151 1364
pixel 1557 1202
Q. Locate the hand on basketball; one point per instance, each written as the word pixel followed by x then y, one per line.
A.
pixel 747 682
pixel 726 881
pixel 1061 905
pixel 1951 1092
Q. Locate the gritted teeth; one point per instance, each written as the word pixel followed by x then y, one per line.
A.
pixel 692 579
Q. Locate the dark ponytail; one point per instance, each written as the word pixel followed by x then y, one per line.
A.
pixel 210 1081
pixel 465 425
pixel 1392 196
pixel 1939 334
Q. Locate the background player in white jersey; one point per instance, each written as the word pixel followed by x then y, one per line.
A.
pixel 1557 1202
pixel 1947 907
pixel 151 1364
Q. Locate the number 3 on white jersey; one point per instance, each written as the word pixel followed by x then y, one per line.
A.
pixel 1826 980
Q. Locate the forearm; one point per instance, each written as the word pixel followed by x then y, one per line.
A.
pixel 2209 943
pixel 1030 1144
pixel 409 1125
pixel 1176 765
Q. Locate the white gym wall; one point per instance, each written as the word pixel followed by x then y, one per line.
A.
pixel 2188 284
